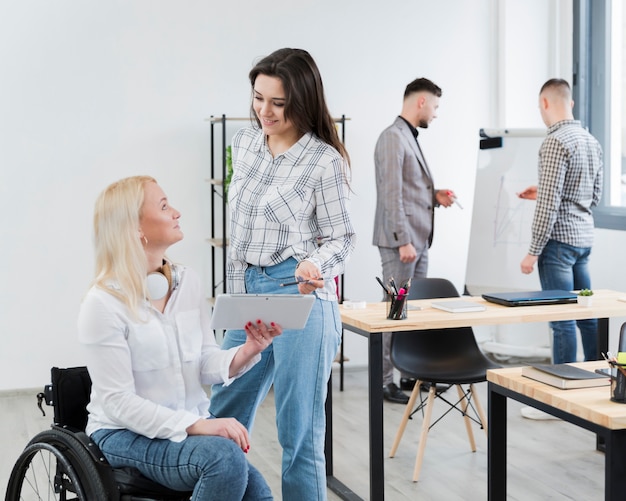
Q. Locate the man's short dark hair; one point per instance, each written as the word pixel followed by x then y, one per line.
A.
pixel 422 84
pixel 558 85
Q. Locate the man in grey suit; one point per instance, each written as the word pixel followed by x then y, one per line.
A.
pixel 406 198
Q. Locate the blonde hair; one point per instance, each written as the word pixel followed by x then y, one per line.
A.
pixel 121 261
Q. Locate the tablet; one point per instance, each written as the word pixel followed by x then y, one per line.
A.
pixel 234 311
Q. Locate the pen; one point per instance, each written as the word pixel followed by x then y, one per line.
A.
pixel 614 363
pixel 392 284
pixel 454 198
pixel 382 285
pixel 300 280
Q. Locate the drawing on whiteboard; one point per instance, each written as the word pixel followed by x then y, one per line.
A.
pixel 513 216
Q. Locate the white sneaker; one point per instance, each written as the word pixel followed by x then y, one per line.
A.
pixel 532 413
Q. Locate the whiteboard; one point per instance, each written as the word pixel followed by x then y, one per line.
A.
pixel 500 237
pixel 501 221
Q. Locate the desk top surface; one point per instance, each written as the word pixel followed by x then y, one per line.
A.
pixel 372 319
pixel 592 404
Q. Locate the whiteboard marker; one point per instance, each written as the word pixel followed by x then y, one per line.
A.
pixel 454 199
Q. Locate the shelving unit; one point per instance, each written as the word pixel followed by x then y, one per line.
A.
pixel 218 239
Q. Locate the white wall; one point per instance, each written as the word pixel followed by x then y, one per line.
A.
pixel 94 91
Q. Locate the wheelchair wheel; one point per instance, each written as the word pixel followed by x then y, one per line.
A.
pixel 56 466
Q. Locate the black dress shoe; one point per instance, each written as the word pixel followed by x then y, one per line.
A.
pixel 407 383
pixel 392 393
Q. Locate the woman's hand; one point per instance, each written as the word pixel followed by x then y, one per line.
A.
pixel 222 427
pixel 260 335
pixel 309 277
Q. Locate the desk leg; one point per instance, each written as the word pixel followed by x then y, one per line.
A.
pixel 341 362
pixel 377 474
pixel 603 347
pixel 496 445
pixel 603 336
pixel 334 484
pixel 615 466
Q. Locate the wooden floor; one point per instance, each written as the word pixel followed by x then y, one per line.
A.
pixel 548 460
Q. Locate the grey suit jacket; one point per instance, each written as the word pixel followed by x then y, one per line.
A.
pixel 405 198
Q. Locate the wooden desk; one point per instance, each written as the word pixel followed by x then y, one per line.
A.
pixel 589 408
pixel 371 322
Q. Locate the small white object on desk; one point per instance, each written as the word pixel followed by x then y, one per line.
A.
pixel 354 305
pixel 457 306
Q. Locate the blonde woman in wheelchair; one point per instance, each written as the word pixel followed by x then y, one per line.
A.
pixel 145 328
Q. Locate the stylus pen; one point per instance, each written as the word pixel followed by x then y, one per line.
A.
pixel 299 280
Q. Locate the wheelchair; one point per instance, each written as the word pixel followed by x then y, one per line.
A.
pixel 64 464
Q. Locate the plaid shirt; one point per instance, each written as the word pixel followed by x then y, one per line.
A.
pixel 294 205
pixel 570 184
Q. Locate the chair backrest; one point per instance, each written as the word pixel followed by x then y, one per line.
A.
pixel 431 288
pixel 442 352
pixel 70 389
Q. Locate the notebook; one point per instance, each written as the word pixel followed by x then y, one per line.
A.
pixel 234 311
pixel 531 298
pixel 457 306
pixel 565 376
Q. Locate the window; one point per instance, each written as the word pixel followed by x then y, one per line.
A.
pixel 599 89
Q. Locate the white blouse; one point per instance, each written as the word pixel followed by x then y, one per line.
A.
pixel 147 376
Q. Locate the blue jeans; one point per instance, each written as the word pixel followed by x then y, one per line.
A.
pixel 298 363
pixel 565 267
pixel 213 467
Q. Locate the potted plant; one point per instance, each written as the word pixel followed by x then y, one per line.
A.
pixel 229 170
pixel 585 296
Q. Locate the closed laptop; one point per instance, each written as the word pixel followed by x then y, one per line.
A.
pixel 531 298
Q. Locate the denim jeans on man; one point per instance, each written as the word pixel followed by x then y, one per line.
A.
pixel 562 266
pixel 214 468
pixel 298 363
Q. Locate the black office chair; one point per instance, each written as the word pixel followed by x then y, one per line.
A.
pixel 444 356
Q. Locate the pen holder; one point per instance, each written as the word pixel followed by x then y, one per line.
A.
pixel 618 383
pixel 396 307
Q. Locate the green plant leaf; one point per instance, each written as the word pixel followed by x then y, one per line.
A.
pixel 229 171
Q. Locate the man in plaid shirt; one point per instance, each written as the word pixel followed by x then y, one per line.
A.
pixel 570 184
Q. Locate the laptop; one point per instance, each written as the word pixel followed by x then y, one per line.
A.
pixel 531 298
pixel 233 311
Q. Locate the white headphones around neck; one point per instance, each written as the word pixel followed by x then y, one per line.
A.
pixel 162 281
